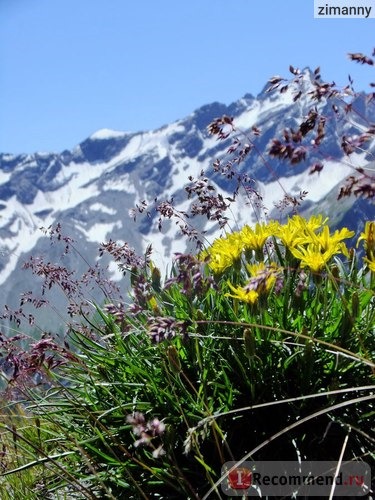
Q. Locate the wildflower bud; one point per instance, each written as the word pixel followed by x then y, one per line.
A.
pixel 355 304
pixel 133 276
pixel 156 427
pixel 174 359
pixel 136 418
pixel 155 279
pixel 370 241
pixel 250 345
pixel 154 305
pixel 346 326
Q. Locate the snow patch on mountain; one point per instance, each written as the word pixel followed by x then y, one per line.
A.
pixel 249 117
pixel 4 177
pixel 103 208
pixel 121 184
pixel 106 134
pixel 100 232
pixel 15 248
pixel 316 185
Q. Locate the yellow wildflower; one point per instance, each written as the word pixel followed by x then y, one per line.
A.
pixel 290 235
pixel 321 247
pixel 312 257
pixel 326 241
pixel 243 294
pixel 223 253
pixel 314 223
pixel 298 230
pixel 256 268
pixel 263 277
pixel 254 239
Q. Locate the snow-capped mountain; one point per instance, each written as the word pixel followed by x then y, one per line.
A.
pixel 91 189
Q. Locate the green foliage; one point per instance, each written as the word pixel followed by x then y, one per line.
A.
pixel 156 399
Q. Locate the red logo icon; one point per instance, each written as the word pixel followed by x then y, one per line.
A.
pixel 240 478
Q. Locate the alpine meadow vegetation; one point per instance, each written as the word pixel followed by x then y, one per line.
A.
pixel 258 344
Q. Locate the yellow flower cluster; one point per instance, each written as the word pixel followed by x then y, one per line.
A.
pixel 307 243
pixel 301 237
pixel 226 252
pixel 316 250
pixel 297 229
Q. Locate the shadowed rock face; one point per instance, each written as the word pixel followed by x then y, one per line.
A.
pixel 91 189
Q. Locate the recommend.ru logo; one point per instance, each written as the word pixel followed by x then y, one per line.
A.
pixel 295 479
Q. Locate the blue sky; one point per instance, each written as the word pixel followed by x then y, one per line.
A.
pixel 71 67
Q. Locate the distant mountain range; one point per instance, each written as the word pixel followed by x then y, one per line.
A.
pixel 91 189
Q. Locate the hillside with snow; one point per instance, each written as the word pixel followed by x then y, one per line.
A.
pixel 92 189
